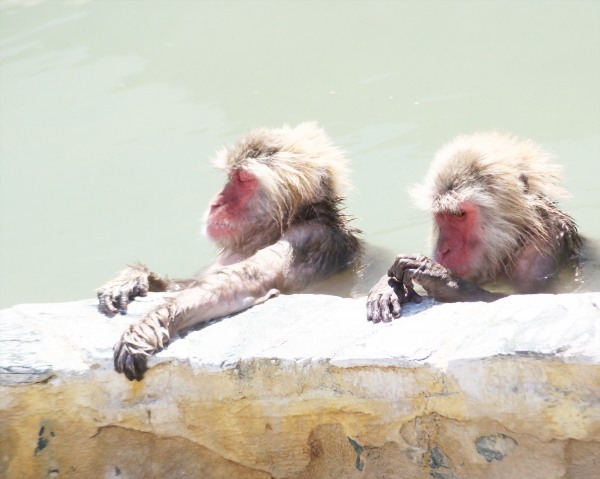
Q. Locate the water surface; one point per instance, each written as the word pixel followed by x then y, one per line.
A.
pixel 110 112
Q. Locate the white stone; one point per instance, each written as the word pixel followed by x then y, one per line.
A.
pixel 303 386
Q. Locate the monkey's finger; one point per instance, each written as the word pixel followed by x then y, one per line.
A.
pixel 416 257
pixel 379 308
pixel 105 304
pixel 141 288
pixel 397 287
pixel 121 302
pixel 132 365
pixel 407 281
pixel 413 296
pixel 124 359
pixel 135 367
pixel 141 291
pixel 402 262
pixel 395 271
pixel 384 308
pixel 410 258
pixel 372 310
pixel 117 356
pixel 141 365
pixel 129 367
pixel 407 263
pixel 397 298
pixel 101 300
pixel 395 307
pixel 370 316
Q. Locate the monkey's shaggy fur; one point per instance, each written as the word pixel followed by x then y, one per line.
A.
pixel 515 184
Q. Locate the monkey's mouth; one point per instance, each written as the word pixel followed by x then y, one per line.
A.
pixel 457 263
pixel 219 229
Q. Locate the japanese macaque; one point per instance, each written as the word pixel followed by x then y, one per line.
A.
pixel 278 224
pixel 492 197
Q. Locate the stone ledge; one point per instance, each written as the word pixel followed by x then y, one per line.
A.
pixel 304 387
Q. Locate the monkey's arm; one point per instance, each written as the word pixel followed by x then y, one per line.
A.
pixel 224 291
pixel 437 280
pixel 135 280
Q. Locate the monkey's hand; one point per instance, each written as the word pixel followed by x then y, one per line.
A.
pixel 439 282
pixel 134 281
pixel 384 300
pixel 141 340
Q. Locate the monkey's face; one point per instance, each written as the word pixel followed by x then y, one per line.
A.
pixel 459 245
pixel 235 208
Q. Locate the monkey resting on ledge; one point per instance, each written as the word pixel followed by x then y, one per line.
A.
pixel 279 226
pixel 494 219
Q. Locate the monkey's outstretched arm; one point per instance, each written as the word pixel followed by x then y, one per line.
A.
pixel 437 280
pixel 225 291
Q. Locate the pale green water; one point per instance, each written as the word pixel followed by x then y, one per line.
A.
pixel 110 111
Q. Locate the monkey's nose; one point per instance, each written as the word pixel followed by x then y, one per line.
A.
pixel 216 203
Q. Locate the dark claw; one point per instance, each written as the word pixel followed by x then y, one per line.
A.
pixel 135 367
pixel 132 365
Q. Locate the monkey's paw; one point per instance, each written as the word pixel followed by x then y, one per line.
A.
pixel 437 280
pixel 140 341
pixel 384 300
pixel 114 296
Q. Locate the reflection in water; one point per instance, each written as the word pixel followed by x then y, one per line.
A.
pixel 110 112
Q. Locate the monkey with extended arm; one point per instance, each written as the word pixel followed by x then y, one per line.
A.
pixel 279 225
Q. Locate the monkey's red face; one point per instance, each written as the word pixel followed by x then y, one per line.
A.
pixel 459 246
pixel 234 207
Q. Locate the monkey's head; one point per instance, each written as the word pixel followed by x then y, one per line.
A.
pixel 487 193
pixel 272 174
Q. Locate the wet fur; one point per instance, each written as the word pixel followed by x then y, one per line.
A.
pixel 519 236
pixel 516 185
pixel 294 235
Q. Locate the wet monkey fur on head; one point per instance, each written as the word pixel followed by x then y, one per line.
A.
pixel 279 225
pixel 492 199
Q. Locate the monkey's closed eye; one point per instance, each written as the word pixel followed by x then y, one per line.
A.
pixel 459 214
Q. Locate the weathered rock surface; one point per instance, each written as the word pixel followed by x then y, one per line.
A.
pixel 304 387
